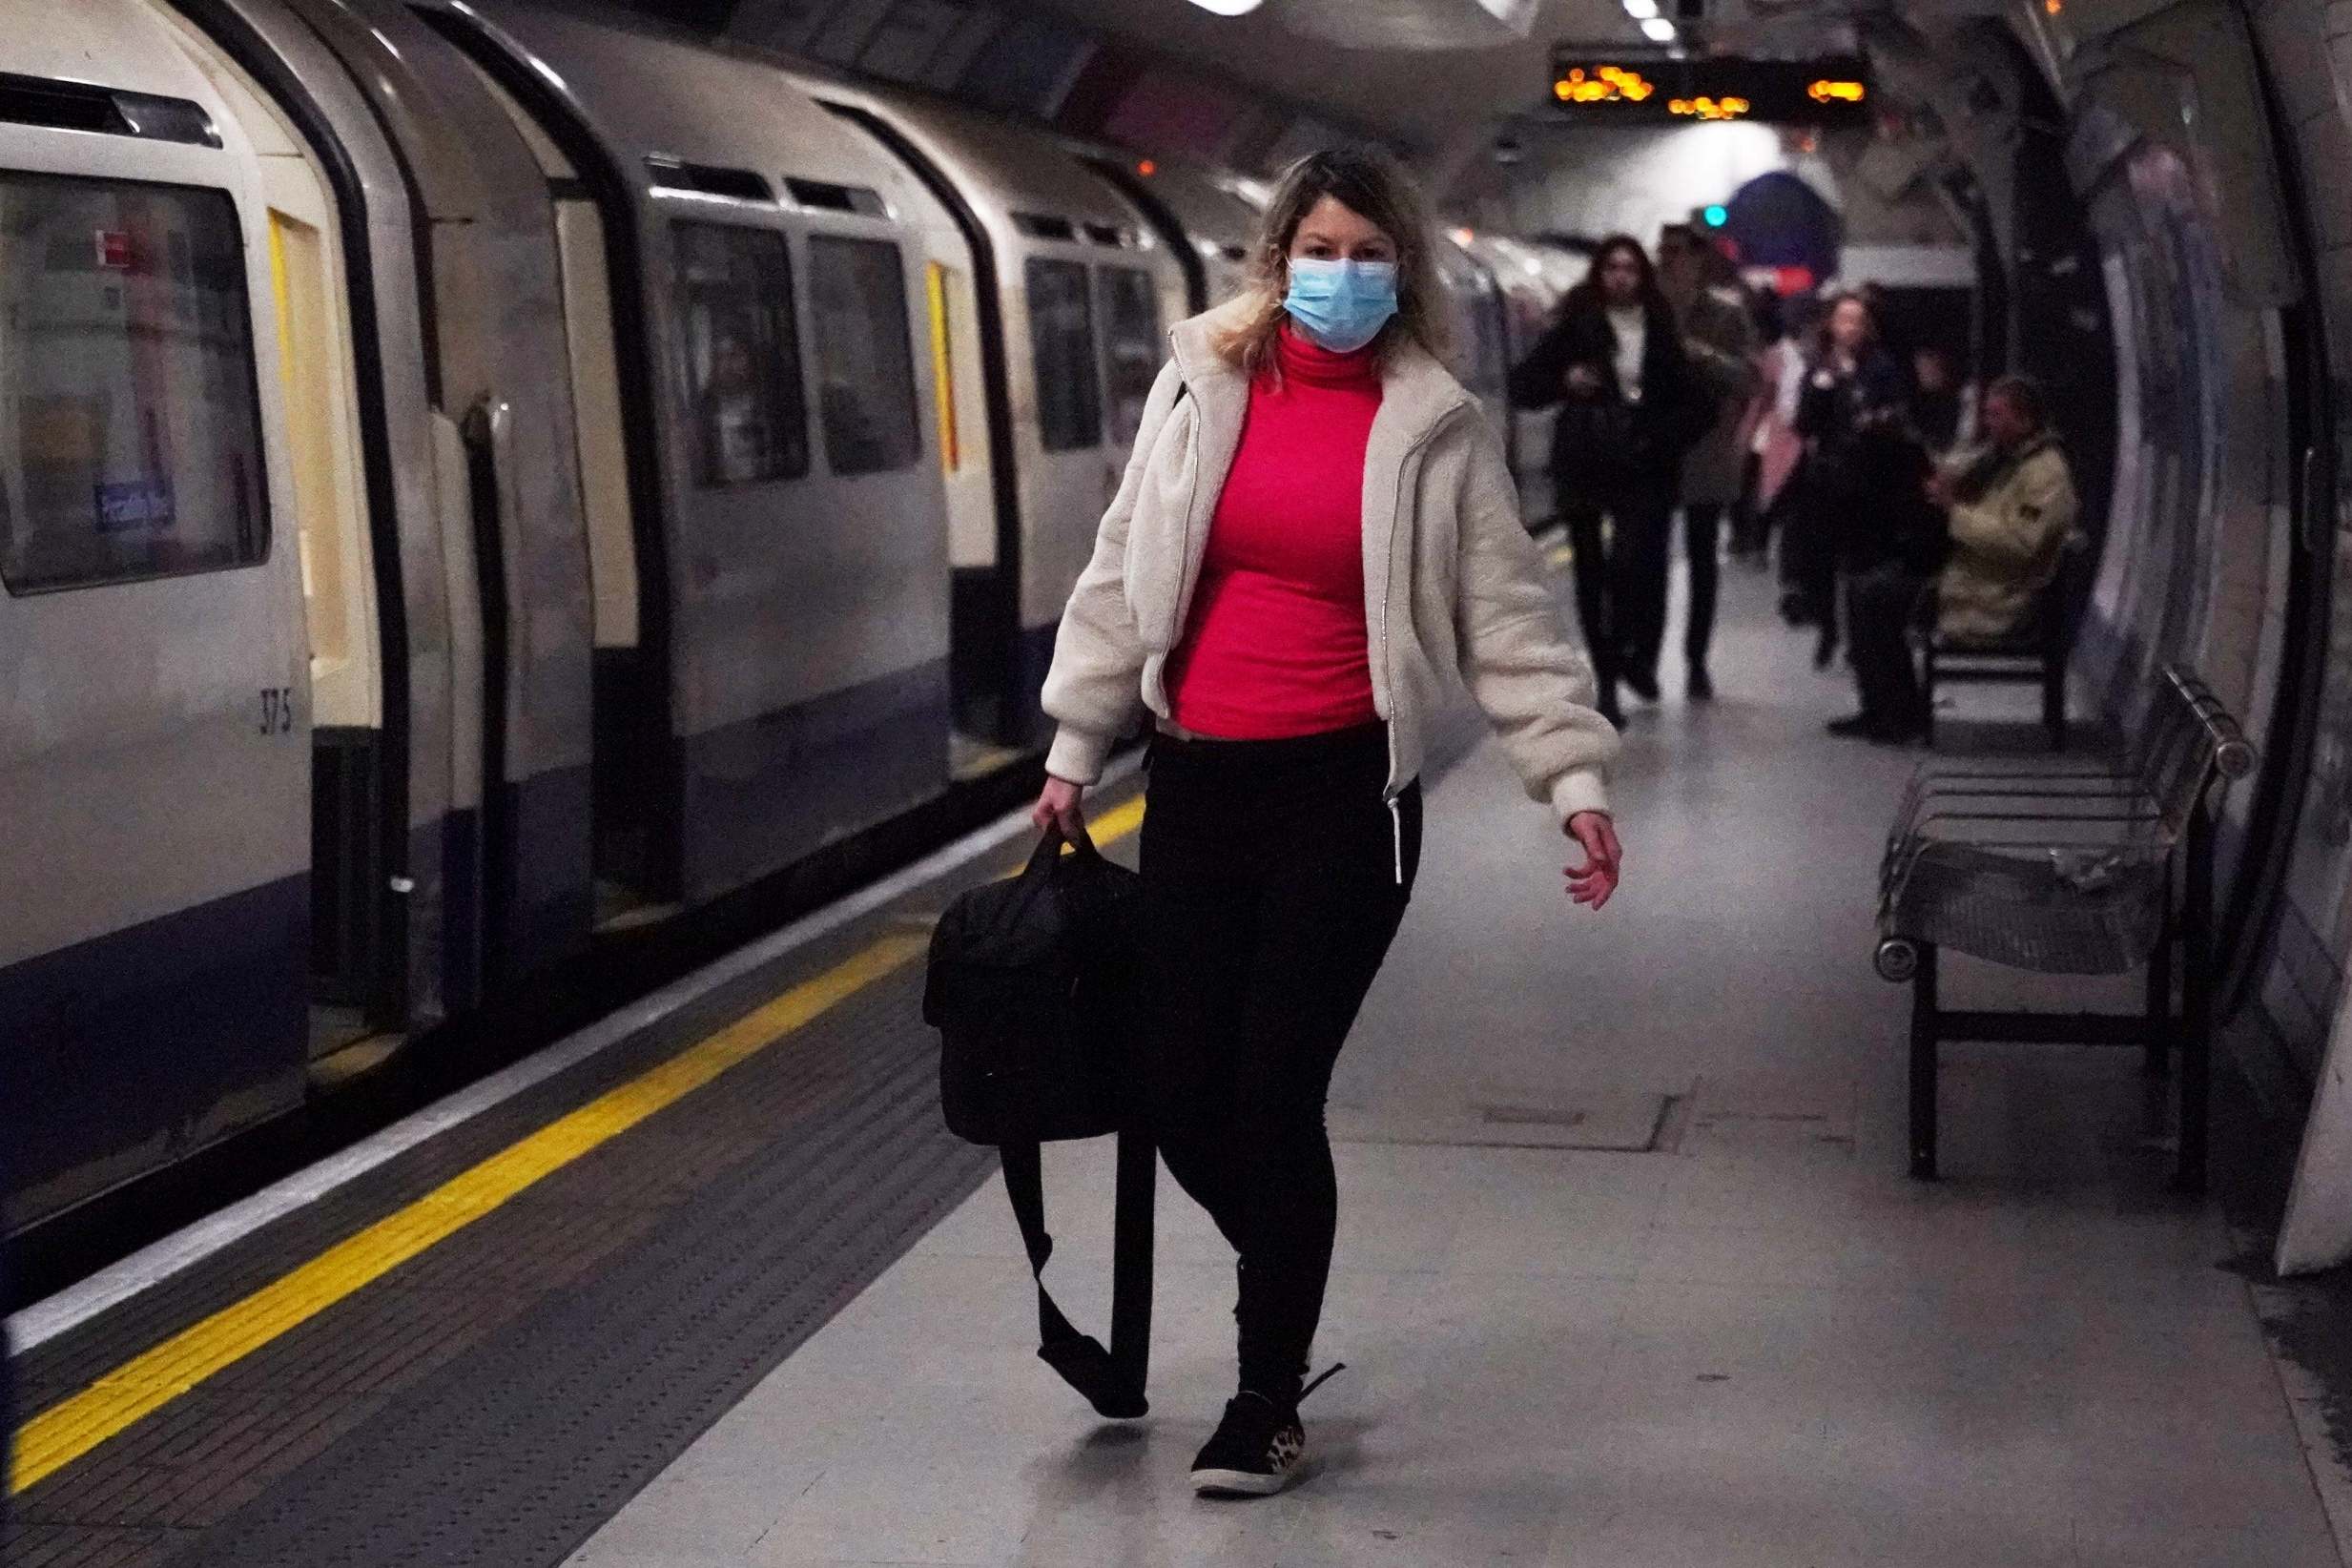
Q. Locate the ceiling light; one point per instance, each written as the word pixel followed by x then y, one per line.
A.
pixel 1640 10
pixel 1658 31
pixel 1229 7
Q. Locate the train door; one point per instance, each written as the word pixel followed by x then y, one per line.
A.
pixel 633 796
pixel 1133 347
pixel 1067 475
pixel 313 361
pixel 959 386
pixel 964 300
pixel 946 327
pixel 154 768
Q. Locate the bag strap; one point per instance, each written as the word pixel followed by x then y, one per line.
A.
pixel 1078 1357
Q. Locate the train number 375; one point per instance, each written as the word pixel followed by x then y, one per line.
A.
pixel 276 710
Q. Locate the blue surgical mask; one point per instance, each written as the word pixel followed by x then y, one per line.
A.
pixel 1341 305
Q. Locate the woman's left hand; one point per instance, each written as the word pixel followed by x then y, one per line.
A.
pixel 1591 882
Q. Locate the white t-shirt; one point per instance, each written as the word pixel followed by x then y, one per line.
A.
pixel 1631 327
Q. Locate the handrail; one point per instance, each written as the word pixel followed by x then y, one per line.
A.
pixel 2233 754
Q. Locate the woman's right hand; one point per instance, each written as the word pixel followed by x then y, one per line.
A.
pixel 1058 805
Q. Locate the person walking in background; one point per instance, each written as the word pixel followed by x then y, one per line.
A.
pixel 1629 408
pixel 2008 512
pixel 1773 445
pixel 1298 432
pixel 1853 398
pixel 1719 336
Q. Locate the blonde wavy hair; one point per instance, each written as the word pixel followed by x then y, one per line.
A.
pixel 1376 188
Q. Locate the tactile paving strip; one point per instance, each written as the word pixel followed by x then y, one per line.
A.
pixel 498 1397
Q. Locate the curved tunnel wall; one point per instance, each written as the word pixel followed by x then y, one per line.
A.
pixel 2205 139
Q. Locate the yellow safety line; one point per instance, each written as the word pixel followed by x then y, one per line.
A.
pixel 145 1384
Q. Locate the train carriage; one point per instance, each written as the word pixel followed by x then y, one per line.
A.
pixel 789 559
pixel 154 773
pixel 1076 291
pixel 475 477
pixel 1207 224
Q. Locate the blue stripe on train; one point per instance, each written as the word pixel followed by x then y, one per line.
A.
pixel 133 1049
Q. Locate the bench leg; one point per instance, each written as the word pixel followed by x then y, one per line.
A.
pixel 1925 1021
pixel 2160 1042
pixel 2053 703
pixel 2195 1001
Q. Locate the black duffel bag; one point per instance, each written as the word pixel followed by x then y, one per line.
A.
pixel 1028 986
pixel 1031 985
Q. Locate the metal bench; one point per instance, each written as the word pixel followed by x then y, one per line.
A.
pixel 2035 655
pixel 2069 869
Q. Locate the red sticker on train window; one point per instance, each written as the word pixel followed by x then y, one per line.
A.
pixel 114 249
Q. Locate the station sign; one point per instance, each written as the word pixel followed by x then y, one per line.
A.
pixel 1829 90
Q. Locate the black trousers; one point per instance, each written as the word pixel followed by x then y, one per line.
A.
pixel 1881 606
pixel 1274 876
pixel 1751 525
pixel 1702 532
pixel 1621 577
pixel 1809 552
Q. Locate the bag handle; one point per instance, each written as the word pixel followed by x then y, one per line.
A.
pixel 1078 1357
pixel 1048 851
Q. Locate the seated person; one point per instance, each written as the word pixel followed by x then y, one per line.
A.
pixel 2010 509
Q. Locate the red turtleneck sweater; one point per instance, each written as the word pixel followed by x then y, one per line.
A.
pixel 1275 645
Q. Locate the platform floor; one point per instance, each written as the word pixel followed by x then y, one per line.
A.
pixel 1629 1275
pixel 1745 1341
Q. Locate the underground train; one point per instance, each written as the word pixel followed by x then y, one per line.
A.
pixel 476 476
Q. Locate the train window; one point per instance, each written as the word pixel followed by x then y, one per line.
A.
pixel 130 422
pixel 1069 402
pixel 865 365
pixel 739 357
pixel 1131 348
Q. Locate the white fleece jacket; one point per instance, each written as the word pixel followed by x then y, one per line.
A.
pixel 1451 582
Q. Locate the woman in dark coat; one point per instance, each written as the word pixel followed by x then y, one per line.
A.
pixel 1861 474
pixel 1629 408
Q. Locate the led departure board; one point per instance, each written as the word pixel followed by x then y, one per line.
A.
pixel 1831 90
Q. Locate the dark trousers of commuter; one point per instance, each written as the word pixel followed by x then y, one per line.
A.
pixel 1702 532
pixel 1751 526
pixel 1641 552
pixel 1621 575
pixel 1881 606
pixel 1809 572
pixel 1274 876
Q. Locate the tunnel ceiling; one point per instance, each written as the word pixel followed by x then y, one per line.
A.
pixel 1429 75
pixel 1411 91
pixel 1426 73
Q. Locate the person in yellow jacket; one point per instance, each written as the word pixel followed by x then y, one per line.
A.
pixel 2010 509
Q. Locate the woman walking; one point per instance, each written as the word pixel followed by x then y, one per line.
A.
pixel 1316 523
pixel 1851 410
pixel 1718 339
pixel 1630 407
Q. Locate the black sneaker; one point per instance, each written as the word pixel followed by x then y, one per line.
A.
pixel 1256 1452
pixel 1257 1449
pixel 1865 726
